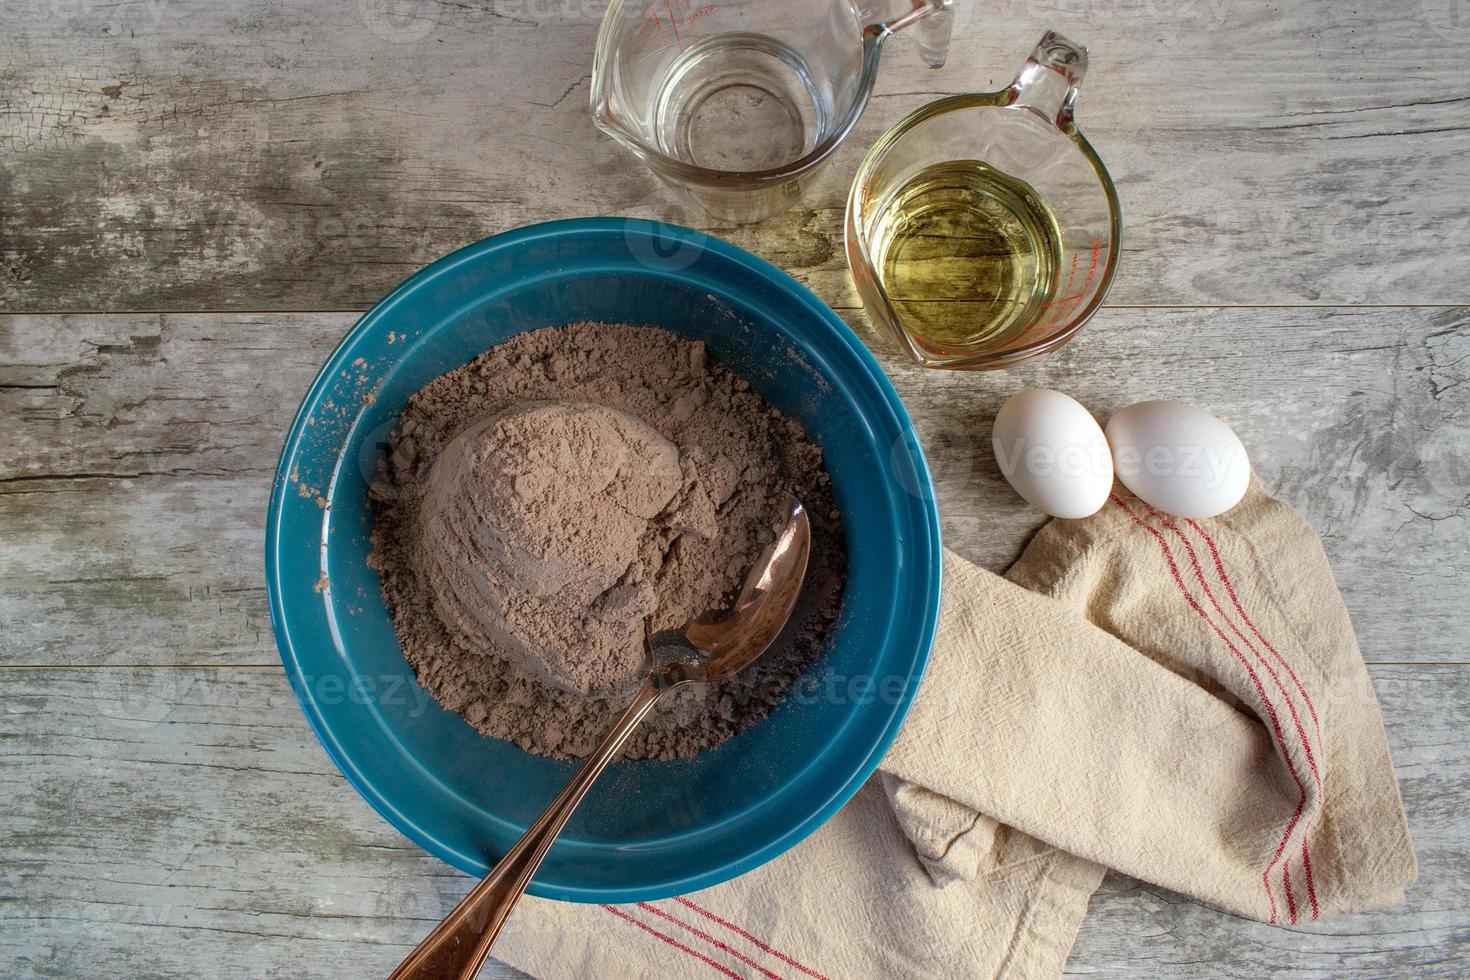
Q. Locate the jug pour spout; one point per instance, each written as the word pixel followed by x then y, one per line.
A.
pixel 1049 81
pixel 931 22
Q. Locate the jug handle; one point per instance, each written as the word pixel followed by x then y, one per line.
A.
pixel 931 20
pixel 1048 82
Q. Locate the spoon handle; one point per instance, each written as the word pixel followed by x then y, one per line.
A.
pixel 460 944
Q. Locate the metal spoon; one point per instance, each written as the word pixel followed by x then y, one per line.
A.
pixel 708 648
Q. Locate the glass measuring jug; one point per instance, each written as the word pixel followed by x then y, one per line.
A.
pixel 735 104
pixel 983 230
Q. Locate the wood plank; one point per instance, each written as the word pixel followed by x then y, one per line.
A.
pixel 277 154
pixel 183 822
pixel 131 517
pixel 134 500
pixel 173 822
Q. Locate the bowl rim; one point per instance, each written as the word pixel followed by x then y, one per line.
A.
pixel 925 548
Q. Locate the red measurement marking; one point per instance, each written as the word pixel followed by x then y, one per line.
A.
pixel 661 30
pixel 1064 300
pixel 1096 254
pixel 674 23
pixel 1091 275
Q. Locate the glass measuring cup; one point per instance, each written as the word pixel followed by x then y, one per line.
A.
pixel 983 230
pixel 735 104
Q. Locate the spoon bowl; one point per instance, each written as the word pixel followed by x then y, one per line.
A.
pixel 711 648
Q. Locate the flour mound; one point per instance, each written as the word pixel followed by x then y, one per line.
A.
pixel 545 527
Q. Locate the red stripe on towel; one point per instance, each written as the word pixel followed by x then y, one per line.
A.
pixel 1311 708
pixel 1301 732
pixel 745 935
pixel 672 941
pixel 1255 680
pixel 708 938
pixel 1199 575
pixel 1311 889
pixel 1235 600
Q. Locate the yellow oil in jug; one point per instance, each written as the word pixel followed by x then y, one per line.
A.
pixel 968 255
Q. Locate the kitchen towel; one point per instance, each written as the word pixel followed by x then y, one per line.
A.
pixel 1179 700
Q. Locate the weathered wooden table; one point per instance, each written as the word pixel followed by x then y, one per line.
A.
pixel 196 199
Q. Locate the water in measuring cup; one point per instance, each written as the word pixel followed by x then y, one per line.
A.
pixel 741 102
pixel 968 255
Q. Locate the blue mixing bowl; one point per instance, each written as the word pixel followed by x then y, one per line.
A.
pixel 648 829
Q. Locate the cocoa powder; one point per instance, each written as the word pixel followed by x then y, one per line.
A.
pixel 544 528
pixel 543 505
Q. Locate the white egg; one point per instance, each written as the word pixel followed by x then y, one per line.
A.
pixel 1178 458
pixel 1053 452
